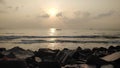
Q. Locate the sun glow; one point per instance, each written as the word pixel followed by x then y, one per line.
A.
pixel 52 31
pixel 52 11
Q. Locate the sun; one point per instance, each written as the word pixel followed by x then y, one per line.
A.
pixel 52 11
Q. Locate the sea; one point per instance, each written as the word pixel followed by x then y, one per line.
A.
pixel 55 38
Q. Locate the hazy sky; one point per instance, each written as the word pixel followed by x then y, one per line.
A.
pixel 70 14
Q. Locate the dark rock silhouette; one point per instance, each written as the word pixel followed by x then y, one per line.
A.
pixel 31 63
pixel 19 52
pixel 12 64
pixel 111 49
pixel 11 55
pixel 100 52
pixel 117 48
pixel 94 60
pixel 48 58
pixel 49 65
pixel 46 54
pixel 1 55
pixel 116 63
pixel 2 49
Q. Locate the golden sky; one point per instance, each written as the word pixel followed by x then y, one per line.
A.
pixel 70 14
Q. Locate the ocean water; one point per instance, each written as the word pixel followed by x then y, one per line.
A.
pixel 54 38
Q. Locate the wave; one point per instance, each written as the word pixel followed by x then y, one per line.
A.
pixel 89 36
pixel 65 41
pixel 61 39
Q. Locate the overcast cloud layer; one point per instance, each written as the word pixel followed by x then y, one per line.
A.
pixel 72 14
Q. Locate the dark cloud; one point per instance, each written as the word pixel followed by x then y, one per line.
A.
pixel 44 16
pixel 81 14
pixel 59 14
pixel 105 14
pixel 14 8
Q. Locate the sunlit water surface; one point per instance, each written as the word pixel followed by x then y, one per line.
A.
pixel 44 38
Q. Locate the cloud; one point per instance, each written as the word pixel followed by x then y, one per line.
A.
pixel 9 7
pixel 83 17
pixel 105 14
pixel 16 8
pixel 2 1
pixel 44 16
pixel 59 14
pixel 81 14
pixel 79 17
pixel 2 11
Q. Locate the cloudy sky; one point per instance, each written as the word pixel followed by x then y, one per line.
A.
pixel 69 14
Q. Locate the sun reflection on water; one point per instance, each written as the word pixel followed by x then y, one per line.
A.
pixel 52 39
pixel 52 32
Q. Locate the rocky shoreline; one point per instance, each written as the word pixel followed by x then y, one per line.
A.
pixel 66 58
